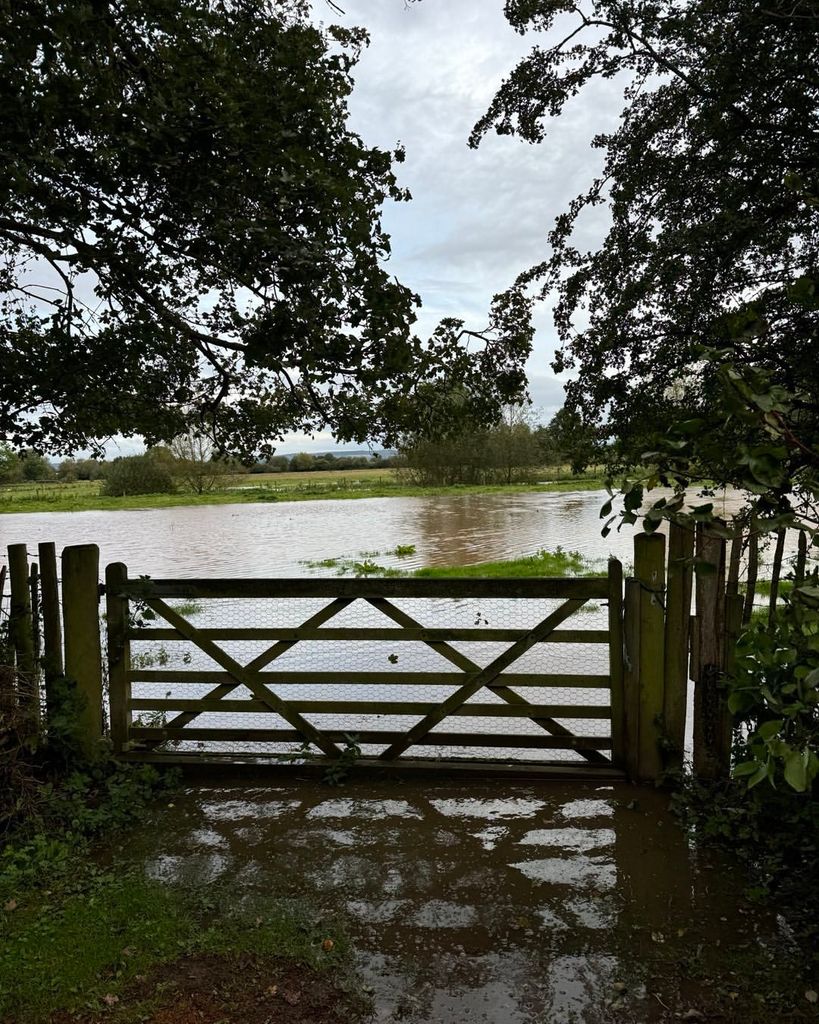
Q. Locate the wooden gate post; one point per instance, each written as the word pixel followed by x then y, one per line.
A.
pixel 649 571
pixel 631 678
pixel 677 634
pixel 712 719
pixel 119 653
pixel 83 655
pixel 52 626
pixel 21 627
pixel 618 712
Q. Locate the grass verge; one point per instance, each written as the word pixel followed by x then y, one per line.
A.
pixel 83 942
pixel 117 945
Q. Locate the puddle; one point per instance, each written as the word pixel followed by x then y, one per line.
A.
pixel 513 807
pixel 577 871
pixel 479 901
pixel 363 809
pixel 569 838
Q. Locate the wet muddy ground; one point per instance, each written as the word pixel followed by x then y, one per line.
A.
pixel 492 901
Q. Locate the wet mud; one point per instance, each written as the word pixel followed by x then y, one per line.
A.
pixel 492 901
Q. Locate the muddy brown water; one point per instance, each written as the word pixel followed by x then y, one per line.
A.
pixel 276 539
pixel 484 901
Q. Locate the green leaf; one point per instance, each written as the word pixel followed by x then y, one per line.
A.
pixel 796 770
pixel 746 768
pixel 768 730
pixel 758 776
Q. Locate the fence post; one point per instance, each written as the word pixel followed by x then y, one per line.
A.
pixel 21 628
pixel 677 636
pixel 119 653
pixel 36 619
pixel 801 559
pixel 776 572
pixel 631 678
pixel 52 626
pixel 618 753
pixel 712 720
pixel 753 569
pixel 83 655
pixel 649 570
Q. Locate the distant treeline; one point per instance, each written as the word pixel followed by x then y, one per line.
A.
pixel 304 462
pixel 30 467
pixel 513 451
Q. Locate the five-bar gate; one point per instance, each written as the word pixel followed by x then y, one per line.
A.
pixel 219 702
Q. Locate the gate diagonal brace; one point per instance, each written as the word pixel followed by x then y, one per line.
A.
pixel 263 660
pixel 461 661
pixel 248 675
pixel 484 678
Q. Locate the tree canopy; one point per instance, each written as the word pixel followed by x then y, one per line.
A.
pixel 711 255
pixel 191 236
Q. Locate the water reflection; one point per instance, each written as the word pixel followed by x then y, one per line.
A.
pixel 494 902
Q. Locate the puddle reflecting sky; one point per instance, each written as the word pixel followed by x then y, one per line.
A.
pixel 477 902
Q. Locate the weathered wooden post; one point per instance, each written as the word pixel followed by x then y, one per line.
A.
pixel 677 637
pixel 119 652
pixel 753 570
pixel 631 678
pixel 83 654
pixel 21 630
pixel 649 571
pixel 618 727
pixel 801 559
pixel 776 572
pixel 52 626
pixel 712 719
pixel 36 633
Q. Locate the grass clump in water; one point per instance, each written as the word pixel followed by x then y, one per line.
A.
pixel 542 563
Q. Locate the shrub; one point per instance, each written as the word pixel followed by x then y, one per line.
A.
pixel 139 474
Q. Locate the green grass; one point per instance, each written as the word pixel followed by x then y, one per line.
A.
pixel 69 950
pixel 273 487
pixel 543 563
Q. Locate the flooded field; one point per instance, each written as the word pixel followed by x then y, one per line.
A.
pixel 278 539
pixel 491 902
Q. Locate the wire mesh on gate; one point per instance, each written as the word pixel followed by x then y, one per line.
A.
pixel 338 663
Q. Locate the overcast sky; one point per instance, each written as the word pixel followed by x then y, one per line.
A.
pixel 478 217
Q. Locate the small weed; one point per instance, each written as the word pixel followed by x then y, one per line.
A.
pixel 188 608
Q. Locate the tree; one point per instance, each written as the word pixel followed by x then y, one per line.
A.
pixel 139 474
pixel 710 177
pixel 10 467
pixel 34 467
pixel 568 440
pixel 197 466
pixel 191 236
pixel 507 452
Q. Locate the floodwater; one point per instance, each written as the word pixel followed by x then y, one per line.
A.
pixel 276 539
pixel 280 539
pixel 486 901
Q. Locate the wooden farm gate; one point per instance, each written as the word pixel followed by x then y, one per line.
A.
pixel 168 727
